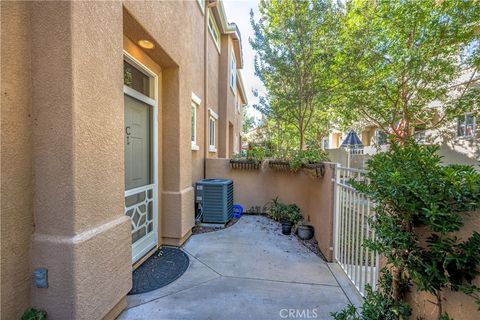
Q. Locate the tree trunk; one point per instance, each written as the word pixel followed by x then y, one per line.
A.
pixel 302 139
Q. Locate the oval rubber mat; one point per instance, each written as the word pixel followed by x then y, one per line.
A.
pixel 163 267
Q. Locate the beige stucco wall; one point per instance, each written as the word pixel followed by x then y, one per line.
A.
pixel 16 159
pixel 197 48
pixel 258 187
pixel 62 143
pixel 81 233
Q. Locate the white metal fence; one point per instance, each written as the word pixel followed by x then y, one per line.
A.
pixel 352 212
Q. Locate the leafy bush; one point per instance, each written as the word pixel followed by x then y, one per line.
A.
pixel 412 190
pixel 279 211
pixel 293 213
pixel 310 156
pixel 254 153
pixel 378 305
pixel 34 314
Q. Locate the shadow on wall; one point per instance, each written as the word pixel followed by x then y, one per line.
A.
pixel 314 196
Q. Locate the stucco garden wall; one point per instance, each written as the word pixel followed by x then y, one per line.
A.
pixel 314 196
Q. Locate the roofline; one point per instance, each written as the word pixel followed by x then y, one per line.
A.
pixel 228 28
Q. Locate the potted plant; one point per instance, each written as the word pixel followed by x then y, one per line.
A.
pixel 292 217
pixel 305 231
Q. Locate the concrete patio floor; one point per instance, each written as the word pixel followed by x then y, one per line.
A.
pixel 248 271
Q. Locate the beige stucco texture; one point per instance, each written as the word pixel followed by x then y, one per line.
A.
pixel 16 159
pixel 314 196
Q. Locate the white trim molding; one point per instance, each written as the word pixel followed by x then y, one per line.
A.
pixel 196 99
pixel 213 114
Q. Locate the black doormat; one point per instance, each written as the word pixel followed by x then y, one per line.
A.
pixel 163 267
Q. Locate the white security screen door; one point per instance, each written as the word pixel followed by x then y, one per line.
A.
pixel 140 155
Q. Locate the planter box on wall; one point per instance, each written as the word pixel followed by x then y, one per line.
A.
pixel 280 165
pixel 315 170
pixel 245 164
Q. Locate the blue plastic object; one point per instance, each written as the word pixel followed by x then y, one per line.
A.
pixel 237 211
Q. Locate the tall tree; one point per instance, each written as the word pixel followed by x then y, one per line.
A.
pixel 398 62
pixel 293 41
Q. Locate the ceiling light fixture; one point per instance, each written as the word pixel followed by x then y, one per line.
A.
pixel 146 44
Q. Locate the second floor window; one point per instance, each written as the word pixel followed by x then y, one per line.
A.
pixel 466 126
pixel 213 29
pixel 381 138
pixel 233 71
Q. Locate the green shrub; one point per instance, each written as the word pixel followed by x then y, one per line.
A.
pixel 310 156
pixel 279 211
pixel 34 314
pixel 412 190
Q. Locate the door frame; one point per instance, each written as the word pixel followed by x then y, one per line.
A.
pixel 154 104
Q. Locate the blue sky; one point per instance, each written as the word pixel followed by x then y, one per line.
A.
pixel 238 11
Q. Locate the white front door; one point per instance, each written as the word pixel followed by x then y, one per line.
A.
pixel 140 156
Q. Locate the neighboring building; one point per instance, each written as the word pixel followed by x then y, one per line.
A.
pixel 99 100
pixel 459 141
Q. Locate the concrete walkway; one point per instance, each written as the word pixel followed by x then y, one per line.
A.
pixel 247 271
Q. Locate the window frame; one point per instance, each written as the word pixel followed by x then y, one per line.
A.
pixel 195 103
pixel 463 121
pixel 378 133
pixel 233 72
pixel 213 30
pixel 212 123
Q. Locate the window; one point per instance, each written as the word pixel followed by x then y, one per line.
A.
pixel 195 104
pixel 325 143
pixel 381 137
pixel 201 4
pixel 233 71
pixel 466 126
pixel 213 29
pixel 212 147
pixel 211 126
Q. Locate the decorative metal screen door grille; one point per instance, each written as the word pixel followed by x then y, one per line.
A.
pixel 140 156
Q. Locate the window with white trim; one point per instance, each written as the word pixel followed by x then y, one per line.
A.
pixel 211 126
pixel 213 29
pixel 194 126
pixel 466 126
pixel 233 71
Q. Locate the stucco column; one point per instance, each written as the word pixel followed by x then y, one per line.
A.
pixel 177 196
pixel 81 233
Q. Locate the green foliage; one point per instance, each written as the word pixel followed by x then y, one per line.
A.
pixel 279 211
pixel 309 156
pixel 396 57
pixel 293 42
pixel 414 191
pixel 34 314
pixel 378 305
pixel 254 153
pixel 248 121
